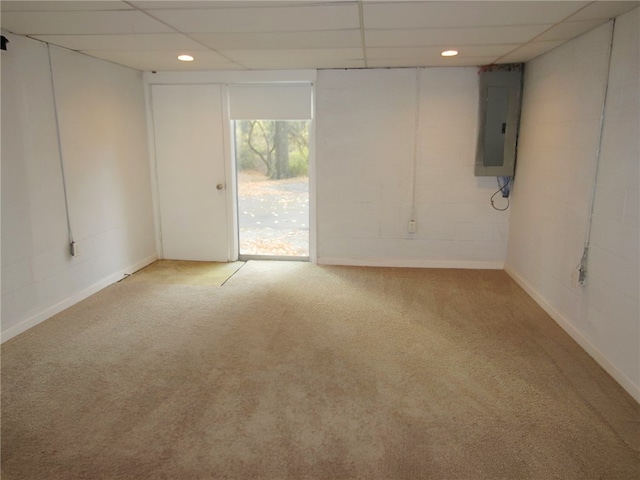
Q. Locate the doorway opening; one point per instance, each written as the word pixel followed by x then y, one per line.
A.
pixel 272 162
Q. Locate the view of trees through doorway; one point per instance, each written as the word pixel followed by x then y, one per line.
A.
pixel 272 160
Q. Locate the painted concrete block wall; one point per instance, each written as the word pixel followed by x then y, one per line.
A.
pixel 610 304
pixel 103 135
pixel 365 131
pixel 563 101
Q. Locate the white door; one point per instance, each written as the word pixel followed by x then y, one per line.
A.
pixel 190 162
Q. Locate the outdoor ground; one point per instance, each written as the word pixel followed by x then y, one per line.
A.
pixel 273 215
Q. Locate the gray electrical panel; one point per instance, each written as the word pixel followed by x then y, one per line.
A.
pixel 499 119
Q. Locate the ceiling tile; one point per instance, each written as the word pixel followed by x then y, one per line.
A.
pixel 398 15
pixel 529 51
pixel 275 19
pixel 428 52
pixel 287 40
pixel 567 31
pixel 165 60
pixel 298 58
pixel 179 5
pixel 603 10
pixel 29 6
pixel 304 63
pixel 78 23
pixel 452 36
pixel 284 56
pixel 150 41
pixel 436 61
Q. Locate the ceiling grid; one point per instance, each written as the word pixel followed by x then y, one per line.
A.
pixel 271 35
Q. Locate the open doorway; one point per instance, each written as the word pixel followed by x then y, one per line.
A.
pixel 272 161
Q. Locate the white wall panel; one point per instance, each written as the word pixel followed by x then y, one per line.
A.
pixel 365 151
pixel 103 134
pixel 563 101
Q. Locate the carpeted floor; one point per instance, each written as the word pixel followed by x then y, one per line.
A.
pixel 297 371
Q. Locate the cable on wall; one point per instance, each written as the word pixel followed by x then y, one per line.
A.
pixel 72 243
pixel 505 187
pixel 582 267
pixel 416 150
pixel 156 180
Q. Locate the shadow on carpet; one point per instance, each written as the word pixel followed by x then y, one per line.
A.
pixel 182 272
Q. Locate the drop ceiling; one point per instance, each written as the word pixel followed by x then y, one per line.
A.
pixel 258 35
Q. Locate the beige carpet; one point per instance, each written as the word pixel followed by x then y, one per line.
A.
pixel 295 371
pixel 182 272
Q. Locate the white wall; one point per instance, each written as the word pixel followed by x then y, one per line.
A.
pixel 104 142
pixel 365 130
pixel 563 100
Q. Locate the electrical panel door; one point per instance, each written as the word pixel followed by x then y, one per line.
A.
pixel 498 120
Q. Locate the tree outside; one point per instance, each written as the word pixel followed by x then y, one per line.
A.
pixel 277 148
pixel 272 158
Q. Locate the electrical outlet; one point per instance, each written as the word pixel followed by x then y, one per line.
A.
pixel 73 249
pixel 412 226
pixel 574 277
pixel 582 276
pixel 578 277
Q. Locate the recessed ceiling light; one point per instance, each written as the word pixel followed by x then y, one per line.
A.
pixel 449 53
pixel 185 58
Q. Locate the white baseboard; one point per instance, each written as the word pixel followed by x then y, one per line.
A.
pixel 624 381
pixel 410 263
pixel 73 299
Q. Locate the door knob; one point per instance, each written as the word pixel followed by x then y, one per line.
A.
pixel 220 186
